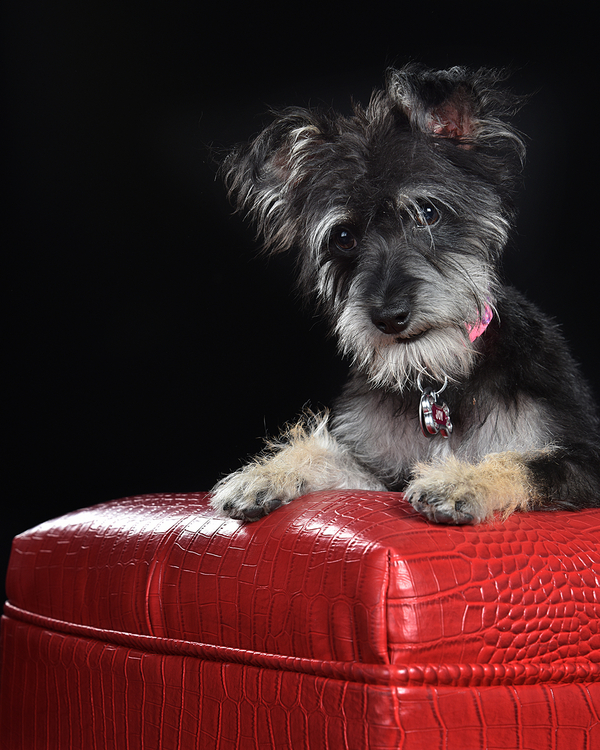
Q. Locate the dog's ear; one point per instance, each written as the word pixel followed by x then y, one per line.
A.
pixel 452 119
pixel 441 103
pixel 263 176
pixel 457 104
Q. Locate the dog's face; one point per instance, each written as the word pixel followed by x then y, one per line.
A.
pixel 399 215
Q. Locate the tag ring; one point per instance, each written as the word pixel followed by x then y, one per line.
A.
pixel 435 394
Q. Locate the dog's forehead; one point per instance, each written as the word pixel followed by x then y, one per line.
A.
pixel 397 170
pixel 399 176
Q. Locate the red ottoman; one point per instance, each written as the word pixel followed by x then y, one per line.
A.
pixel 344 620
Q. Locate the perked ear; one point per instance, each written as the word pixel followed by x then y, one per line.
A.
pixel 448 104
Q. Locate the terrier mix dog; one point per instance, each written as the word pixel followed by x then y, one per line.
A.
pixel 399 215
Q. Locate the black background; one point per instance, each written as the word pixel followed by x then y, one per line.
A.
pixel 147 348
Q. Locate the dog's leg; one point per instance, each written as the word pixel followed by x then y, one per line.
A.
pixel 457 492
pixel 306 459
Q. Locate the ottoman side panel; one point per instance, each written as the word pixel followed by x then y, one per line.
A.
pixel 63 692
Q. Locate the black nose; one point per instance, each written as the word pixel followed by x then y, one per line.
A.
pixel 391 319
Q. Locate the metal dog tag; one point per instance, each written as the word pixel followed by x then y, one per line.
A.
pixel 434 417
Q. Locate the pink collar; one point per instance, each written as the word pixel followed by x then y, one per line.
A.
pixel 477 329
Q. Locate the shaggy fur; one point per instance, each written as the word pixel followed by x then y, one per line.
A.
pixel 399 215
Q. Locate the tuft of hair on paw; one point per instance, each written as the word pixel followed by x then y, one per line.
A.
pixel 309 423
pixel 499 484
pixel 304 449
pixel 307 453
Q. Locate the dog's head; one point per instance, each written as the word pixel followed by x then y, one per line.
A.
pixel 398 213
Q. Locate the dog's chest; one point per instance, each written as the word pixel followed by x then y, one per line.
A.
pixel 386 435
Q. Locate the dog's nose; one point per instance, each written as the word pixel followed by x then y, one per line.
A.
pixel 391 320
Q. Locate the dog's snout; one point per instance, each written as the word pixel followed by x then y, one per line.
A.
pixel 391 320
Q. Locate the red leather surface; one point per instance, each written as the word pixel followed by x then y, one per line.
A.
pixel 72 693
pixel 342 620
pixel 376 581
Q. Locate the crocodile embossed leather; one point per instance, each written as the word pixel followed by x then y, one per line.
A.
pixel 344 620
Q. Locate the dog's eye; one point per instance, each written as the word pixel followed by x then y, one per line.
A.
pixel 427 215
pixel 343 239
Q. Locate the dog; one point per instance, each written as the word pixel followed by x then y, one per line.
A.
pixel 462 394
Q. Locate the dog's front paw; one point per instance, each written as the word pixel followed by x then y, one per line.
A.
pixel 307 458
pixel 457 492
pixel 442 505
pixel 251 493
pixel 449 492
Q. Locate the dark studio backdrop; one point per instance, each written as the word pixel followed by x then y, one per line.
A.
pixel 147 348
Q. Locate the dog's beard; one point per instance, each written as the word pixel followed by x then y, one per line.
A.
pixel 438 352
pixel 435 343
